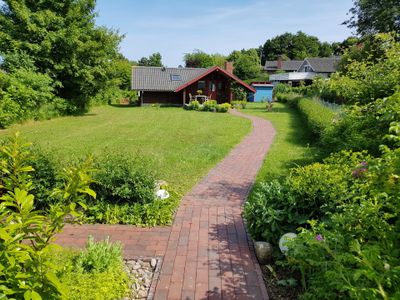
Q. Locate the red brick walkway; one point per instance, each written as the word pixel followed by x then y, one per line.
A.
pixel 206 253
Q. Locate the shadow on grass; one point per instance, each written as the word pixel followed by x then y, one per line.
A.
pixel 123 105
pixel 274 110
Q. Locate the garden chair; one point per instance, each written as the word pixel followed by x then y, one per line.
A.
pixel 191 98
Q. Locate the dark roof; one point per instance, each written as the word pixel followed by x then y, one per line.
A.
pixel 287 65
pixel 324 64
pixel 159 79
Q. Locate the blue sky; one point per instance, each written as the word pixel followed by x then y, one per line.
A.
pixel 175 27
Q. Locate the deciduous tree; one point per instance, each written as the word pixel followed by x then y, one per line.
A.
pixel 374 16
pixel 64 42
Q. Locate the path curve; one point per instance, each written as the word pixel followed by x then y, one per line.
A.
pixel 207 253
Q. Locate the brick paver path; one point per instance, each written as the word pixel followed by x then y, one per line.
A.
pixel 206 253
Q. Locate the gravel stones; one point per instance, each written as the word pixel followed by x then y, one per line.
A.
pixel 141 273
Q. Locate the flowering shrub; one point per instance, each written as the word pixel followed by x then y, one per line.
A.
pixel 347 214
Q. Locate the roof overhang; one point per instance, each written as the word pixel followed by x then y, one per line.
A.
pixel 216 69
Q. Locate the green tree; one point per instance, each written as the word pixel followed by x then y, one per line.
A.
pixel 340 47
pixel 218 60
pixel 122 72
pixel 246 63
pixel 198 59
pixel 64 42
pixel 294 46
pixel 154 60
pixel 372 16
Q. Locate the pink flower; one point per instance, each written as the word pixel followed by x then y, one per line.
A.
pixel 319 237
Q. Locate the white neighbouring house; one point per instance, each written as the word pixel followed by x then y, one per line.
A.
pixel 309 69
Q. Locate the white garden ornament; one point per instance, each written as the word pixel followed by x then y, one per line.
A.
pixel 162 194
pixel 284 238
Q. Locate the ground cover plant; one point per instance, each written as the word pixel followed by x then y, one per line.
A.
pixel 96 272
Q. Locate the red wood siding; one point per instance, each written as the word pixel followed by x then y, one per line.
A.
pixel 163 97
pixel 222 87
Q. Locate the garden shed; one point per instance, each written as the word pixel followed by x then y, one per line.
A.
pixel 263 92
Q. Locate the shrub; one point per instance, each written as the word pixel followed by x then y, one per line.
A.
pixel 310 192
pixel 291 98
pixel 124 179
pixel 281 88
pixel 353 253
pixel 317 116
pixel 269 212
pixel 224 107
pixel 210 105
pixel 44 176
pixel 363 127
pixel 25 233
pixel 193 105
pixel 98 257
pixel 239 104
pixel 158 212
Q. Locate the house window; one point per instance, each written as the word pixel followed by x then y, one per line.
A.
pixel 201 85
pixel 175 77
pixel 307 69
pixel 211 86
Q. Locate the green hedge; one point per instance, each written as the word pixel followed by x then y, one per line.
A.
pixel 317 116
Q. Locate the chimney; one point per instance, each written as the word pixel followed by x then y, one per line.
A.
pixel 228 67
pixel 279 62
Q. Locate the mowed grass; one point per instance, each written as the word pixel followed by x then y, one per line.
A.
pixel 291 146
pixel 181 145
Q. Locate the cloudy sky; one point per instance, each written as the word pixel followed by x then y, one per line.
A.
pixel 175 27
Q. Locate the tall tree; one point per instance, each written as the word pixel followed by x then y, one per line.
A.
pixel 198 59
pixel 246 63
pixel 64 42
pixel 294 46
pixel 154 60
pixel 374 16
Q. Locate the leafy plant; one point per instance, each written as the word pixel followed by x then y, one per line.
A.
pixel 317 116
pixel 26 234
pixel 99 256
pixel 124 179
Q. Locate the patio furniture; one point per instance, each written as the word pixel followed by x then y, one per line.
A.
pixel 191 98
pixel 201 98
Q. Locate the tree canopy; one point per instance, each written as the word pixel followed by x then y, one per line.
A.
pixel 246 63
pixel 62 40
pixel 374 16
pixel 200 59
pixel 154 60
pixel 294 46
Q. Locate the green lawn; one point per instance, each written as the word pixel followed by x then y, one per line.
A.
pixel 182 145
pixel 291 145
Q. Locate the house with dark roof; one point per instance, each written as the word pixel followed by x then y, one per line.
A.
pixel 309 69
pixel 273 66
pixel 324 66
pixel 176 85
